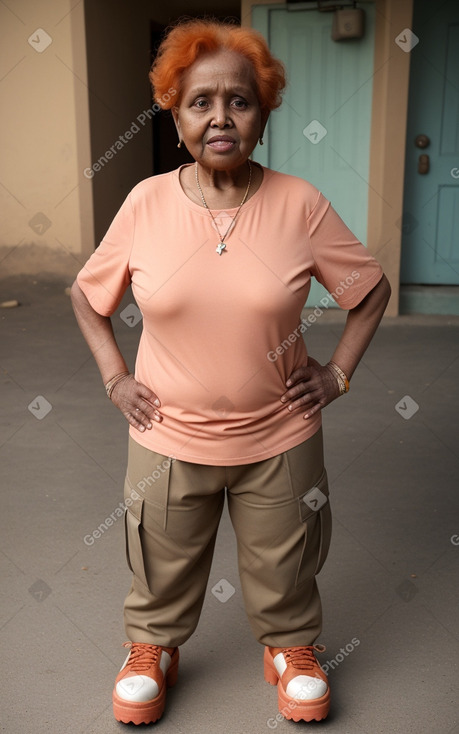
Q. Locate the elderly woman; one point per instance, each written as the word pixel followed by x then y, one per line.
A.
pixel 225 399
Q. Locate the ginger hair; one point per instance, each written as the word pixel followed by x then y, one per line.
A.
pixel 189 40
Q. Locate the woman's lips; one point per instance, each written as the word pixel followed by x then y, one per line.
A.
pixel 221 144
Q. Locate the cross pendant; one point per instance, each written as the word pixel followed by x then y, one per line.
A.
pixel 220 247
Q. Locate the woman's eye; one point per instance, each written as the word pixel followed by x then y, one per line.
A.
pixel 240 103
pixel 201 103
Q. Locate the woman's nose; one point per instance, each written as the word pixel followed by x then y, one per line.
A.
pixel 220 117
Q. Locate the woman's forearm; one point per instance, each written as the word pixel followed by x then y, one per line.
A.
pixel 98 333
pixel 361 324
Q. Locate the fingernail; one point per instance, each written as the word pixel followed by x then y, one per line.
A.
pixel 141 428
pixel 283 400
pixel 149 425
pixel 288 383
pixel 157 403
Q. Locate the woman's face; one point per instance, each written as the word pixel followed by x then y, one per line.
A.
pixel 219 116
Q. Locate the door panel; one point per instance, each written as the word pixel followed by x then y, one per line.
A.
pixel 430 243
pixel 446 249
pixel 450 110
pixel 329 83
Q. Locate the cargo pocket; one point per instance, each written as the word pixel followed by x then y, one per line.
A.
pixel 315 515
pixel 134 550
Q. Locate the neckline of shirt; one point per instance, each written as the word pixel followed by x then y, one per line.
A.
pixel 202 210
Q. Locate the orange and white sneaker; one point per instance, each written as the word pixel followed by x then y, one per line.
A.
pixel 302 685
pixel 139 695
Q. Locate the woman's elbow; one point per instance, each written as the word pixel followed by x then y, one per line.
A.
pixel 77 297
pixel 75 292
pixel 386 290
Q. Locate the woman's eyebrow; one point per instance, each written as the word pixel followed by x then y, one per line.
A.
pixel 207 90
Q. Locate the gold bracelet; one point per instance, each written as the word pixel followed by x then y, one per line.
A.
pixel 343 382
pixel 109 386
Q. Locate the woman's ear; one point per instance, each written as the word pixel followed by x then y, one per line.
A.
pixel 264 119
pixel 175 115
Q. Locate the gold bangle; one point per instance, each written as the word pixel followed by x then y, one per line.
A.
pixel 109 386
pixel 343 382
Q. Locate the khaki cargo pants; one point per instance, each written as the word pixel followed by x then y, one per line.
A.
pixel 280 513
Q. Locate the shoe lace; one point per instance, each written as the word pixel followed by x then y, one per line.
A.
pixel 303 658
pixel 142 656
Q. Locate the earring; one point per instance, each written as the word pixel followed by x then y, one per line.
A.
pixel 261 141
pixel 179 144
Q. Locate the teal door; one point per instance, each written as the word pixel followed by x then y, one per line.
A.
pixel 322 130
pixel 430 230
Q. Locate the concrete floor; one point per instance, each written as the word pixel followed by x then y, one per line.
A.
pixel 389 588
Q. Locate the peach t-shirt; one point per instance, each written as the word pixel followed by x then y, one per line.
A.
pixel 221 334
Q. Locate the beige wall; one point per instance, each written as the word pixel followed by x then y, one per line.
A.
pixel 388 133
pixel 388 141
pixel 44 138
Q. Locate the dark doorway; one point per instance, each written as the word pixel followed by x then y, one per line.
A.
pixel 166 155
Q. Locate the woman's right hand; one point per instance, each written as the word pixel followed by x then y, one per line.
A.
pixel 137 403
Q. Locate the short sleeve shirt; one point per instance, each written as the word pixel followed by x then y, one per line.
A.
pixel 221 334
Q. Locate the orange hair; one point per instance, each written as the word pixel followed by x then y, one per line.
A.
pixel 190 39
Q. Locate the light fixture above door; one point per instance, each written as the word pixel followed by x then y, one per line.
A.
pixel 348 20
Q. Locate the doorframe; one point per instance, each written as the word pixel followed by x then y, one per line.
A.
pixel 387 137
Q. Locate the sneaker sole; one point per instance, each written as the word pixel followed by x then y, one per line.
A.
pixel 292 708
pixel 145 712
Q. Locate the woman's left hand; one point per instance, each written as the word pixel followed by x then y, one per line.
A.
pixel 311 388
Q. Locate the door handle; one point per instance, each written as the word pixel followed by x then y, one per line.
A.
pixel 423 164
pixel 422 141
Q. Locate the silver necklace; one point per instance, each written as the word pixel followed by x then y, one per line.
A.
pixel 222 245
